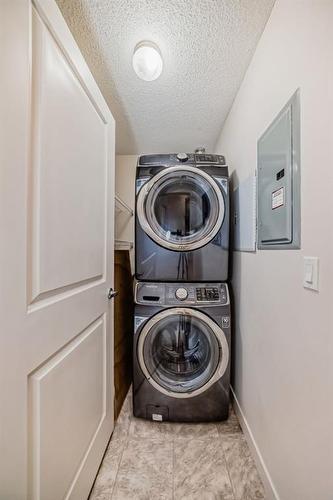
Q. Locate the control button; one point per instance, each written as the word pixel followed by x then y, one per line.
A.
pixel 181 293
pixel 182 157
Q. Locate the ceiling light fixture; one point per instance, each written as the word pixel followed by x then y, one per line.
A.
pixel 147 61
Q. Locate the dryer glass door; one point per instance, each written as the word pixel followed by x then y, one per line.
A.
pixel 181 208
pixel 182 352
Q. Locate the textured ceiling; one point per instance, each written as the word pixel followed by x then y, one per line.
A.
pixel 206 47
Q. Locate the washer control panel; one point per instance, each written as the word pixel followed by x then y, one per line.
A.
pixel 167 294
pixel 182 157
pixel 208 294
pixel 181 294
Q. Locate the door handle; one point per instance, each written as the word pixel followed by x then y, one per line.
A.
pixel 112 293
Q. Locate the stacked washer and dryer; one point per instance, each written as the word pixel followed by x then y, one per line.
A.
pixel 182 304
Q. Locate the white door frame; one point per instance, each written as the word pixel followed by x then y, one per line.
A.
pixel 40 327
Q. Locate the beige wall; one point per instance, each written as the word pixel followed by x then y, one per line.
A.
pixel 125 188
pixel 284 348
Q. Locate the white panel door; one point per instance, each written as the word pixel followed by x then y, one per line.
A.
pixel 56 214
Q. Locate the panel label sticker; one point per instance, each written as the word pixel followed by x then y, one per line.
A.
pixel 278 198
pixel 157 417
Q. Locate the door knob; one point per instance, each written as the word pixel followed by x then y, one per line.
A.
pixel 112 293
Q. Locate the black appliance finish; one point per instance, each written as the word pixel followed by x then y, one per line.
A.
pixel 182 218
pixel 181 355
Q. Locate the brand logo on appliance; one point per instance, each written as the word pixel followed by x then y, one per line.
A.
pixel 225 321
pixel 140 183
pixel 223 183
pixel 138 320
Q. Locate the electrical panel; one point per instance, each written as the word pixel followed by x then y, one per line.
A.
pixel 279 180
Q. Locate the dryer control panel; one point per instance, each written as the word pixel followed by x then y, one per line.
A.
pixel 171 294
pixel 181 158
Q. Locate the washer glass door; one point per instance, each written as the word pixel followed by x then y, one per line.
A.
pixel 181 208
pixel 182 352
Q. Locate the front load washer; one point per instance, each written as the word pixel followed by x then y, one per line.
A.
pixel 182 218
pixel 181 352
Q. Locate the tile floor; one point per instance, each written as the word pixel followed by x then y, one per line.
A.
pixel 168 461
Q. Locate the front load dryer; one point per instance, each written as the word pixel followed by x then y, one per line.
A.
pixel 181 355
pixel 182 218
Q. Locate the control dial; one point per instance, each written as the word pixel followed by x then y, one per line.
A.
pixel 181 293
pixel 182 157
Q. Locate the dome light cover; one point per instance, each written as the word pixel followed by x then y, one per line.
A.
pixel 147 61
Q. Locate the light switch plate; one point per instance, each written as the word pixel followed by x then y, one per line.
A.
pixel 311 273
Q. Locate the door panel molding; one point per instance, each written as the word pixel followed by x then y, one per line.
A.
pixel 68 163
pixel 51 16
pixel 53 296
pixel 56 387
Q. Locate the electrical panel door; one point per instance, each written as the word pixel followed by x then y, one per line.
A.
pixel 278 181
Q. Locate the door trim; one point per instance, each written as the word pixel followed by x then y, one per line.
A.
pixel 218 332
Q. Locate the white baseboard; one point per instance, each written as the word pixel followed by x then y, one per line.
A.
pixel 262 469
